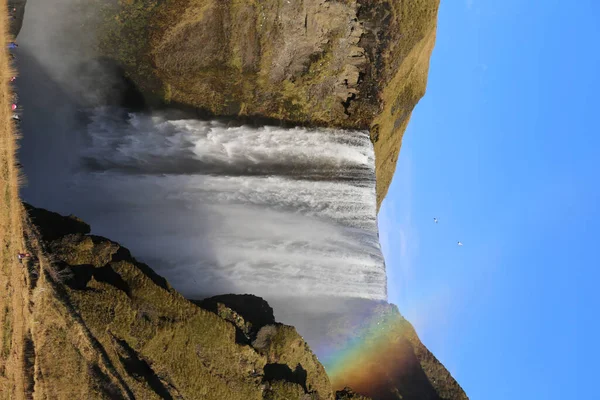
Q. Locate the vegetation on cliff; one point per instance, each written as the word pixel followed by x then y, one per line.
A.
pixel 108 327
pixel 347 63
pixel 81 318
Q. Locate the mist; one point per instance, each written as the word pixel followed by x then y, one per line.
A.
pixel 285 214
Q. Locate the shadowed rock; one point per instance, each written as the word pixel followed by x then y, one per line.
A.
pixel 248 312
pixel 53 226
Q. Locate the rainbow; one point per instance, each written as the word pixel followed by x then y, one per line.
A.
pixel 378 358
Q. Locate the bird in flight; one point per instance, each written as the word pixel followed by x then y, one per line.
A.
pixel 435 220
pixel 459 243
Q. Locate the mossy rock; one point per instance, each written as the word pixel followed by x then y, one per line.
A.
pixel 137 337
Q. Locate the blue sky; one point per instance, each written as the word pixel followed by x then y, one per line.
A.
pixel 503 149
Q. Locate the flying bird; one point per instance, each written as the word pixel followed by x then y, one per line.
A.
pixel 459 243
pixel 435 220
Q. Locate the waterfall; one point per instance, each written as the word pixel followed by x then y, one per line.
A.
pixel 215 209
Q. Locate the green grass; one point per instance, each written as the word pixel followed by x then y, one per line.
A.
pixel 405 81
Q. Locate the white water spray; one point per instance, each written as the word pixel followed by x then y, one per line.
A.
pixel 269 211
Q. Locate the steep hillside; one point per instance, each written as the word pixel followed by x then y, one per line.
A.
pixel 81 318
pixel 354 64
pixel 103 325
pixel 99 324
pixel 108 327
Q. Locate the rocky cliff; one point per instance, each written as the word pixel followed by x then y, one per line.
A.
pixel 81 318
pixel 358 64
pixel 383 357
pixel 108 327
pixel 103 325
pixel 16 11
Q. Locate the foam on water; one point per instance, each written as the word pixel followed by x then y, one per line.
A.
pixel 270 211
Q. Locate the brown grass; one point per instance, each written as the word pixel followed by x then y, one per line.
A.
pixel 10 205
pixel 45 352
pixel 15 357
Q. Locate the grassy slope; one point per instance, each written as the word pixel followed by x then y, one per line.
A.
pixel 405 85
pixel 14 317
pixel 18 307
pixel 109 327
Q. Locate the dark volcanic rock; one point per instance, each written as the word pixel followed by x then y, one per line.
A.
pixel 349 394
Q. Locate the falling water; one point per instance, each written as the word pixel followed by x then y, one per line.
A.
pixel 215 209
pixel 286 214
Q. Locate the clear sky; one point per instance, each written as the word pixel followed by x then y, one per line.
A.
pixel 504 151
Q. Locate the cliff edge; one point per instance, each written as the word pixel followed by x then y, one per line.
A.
pixel 81 318
pixel 356 64
pixel 107 327
pixel 100 324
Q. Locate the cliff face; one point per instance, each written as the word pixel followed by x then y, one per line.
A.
pixel 347 63
pixel 109 327
pixel 103 325
pixel 83 319
pixel 357 64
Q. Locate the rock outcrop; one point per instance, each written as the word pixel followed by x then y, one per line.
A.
pixel 16 11
pixel 247 312
pixel 357 64
pixel 109 327
pixel 99 324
